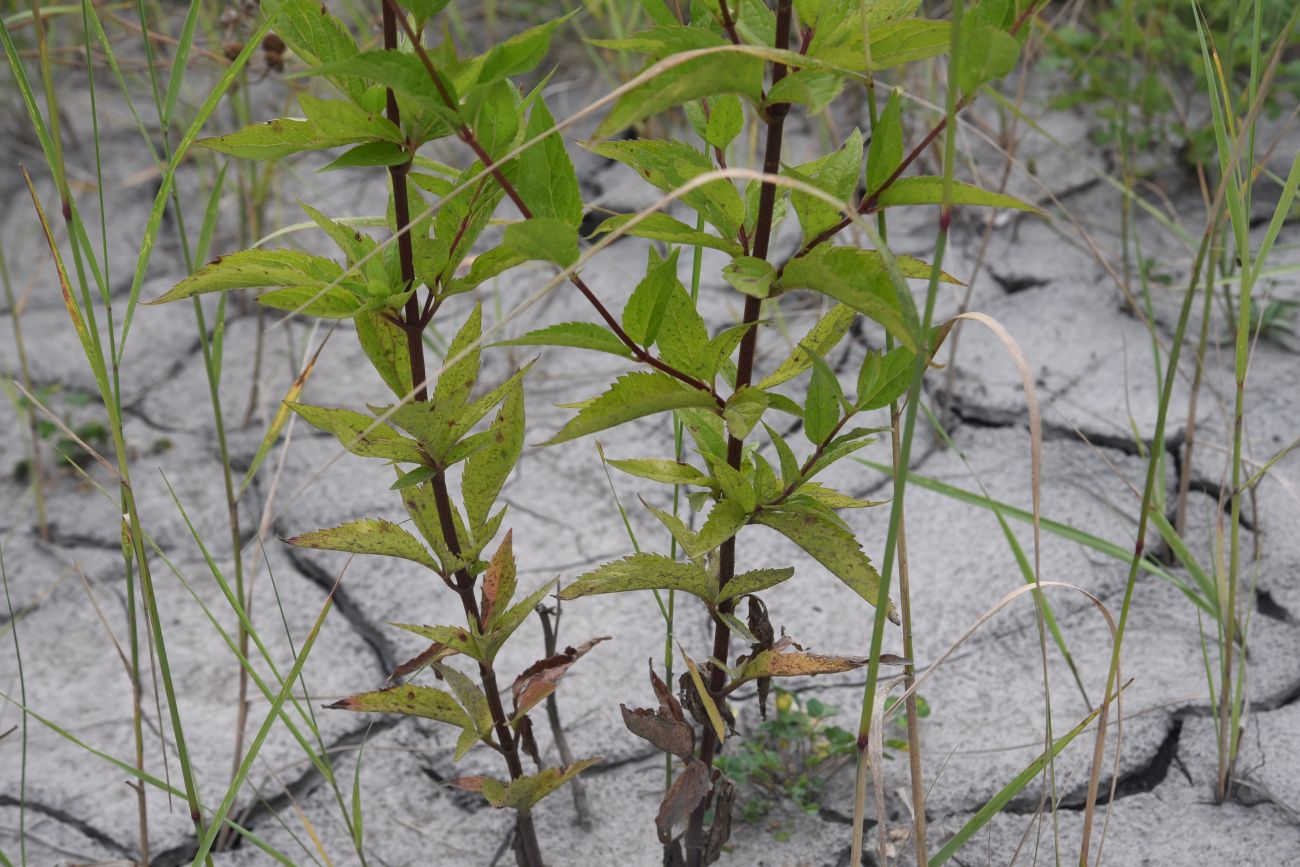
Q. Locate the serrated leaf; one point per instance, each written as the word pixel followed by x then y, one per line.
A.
pixel 711 75
pixel 490 465
pixel 735 486
pixel 522 793
pixel 546 179
pixel 351 241
pixel 367 536
pixel 385 344
pixel 668 472
pixel 928 190
pixel 455 638
pixel 254 269
pixel 750 275
pixel 470 696
pixel 458 377
pixel 644 311
pixel 278 138
pixel 726 120
pixel 754 582
pixel 644 572
pixel 744 409
pixel 632 396
pixel 493 111
pixel 414 477
pixel 831 498
pixel 544 238
pixel 498 581
pixel 884 377
pixel 336 303
pixel 672 164
pixel 661 227
pixel 837 173
pixel 408 700
pixel 821 410
pixel 724 521
pixel 318 38
pixel 820 339
pixel 508 622
pixel 360 434
pixel 853 277
pixel 832 546
pixel 886 151
pixel 580 335
pixel 519 53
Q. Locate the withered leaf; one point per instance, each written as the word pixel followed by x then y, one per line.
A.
pixel 665 695
pixel 542 677
pixel 498 581
pixel 435 652
pixel 685 794
pixel 667 732
pixel 724 798
pixel 527 742
pixel 779 662
pixel 761 627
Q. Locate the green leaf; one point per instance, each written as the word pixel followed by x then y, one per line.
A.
pixel 661 227
pixel 831 545
pixel 519 53
pixel 886 152
pixel 711 75
pixel 672 164
pixel 836 173
pixel 754 582
pixel 488 468
pixel 505 625
pixel 361 434
pixel 546 238
pixel 725 121
pixel 644 572
pixel 470 696
pixel 832 498
pixel 744 409
pixel 368 536
pixel 821 410
pixel 252 269
pixel 409 700
pixel 336 303
pixel 275 139
pixel 545 177
pixel 668 472
pixel 458 379
pixel 494 114
pixel 632 396
pixel 884 377
pixel 988 53
pixel 750 275
pixel 724 521
pixel 414 477
pixel 352 242
pixel 789 465
pixel 372 153
pixel 580 335
pixel 820 339
pixel 817 90
pixel 521 794
pixel 318 38
pixel 644 312
pixel 457 638
pixel 735 487
pixel 400 70
pixel 928 190
pixel 853 277
pixel 384 343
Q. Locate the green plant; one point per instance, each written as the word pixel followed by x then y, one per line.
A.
pixel 792 755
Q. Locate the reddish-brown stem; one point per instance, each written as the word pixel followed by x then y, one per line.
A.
pixel 727 23
pixel 527 851
pixel 776 114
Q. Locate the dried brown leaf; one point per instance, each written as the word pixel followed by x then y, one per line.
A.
pixel 542 677
pixel 667 732
pixel 685 794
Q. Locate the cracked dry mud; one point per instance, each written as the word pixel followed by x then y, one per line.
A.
pixel 1091 360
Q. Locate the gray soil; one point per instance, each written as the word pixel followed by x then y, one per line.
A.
pixel 1052 284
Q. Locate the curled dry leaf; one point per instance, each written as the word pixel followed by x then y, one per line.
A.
pixel 761 628
pixel 724 799
pixel 435 652
pixel 661 727
pixel 527 742
pixel 781 662
pixel 685 794
pixel 667 701
pixel 542 677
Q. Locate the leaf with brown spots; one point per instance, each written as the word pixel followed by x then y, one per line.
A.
pixel 498 582
pixel 410 700
pixel 542 677
pixel 778 662
pixel 435 652
pixel 685 794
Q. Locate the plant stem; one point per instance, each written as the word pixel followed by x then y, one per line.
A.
pixel 695 844
pixel 550 637
pixel 527 849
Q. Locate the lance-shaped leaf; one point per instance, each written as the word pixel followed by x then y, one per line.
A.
pixel 658 470
pixel 644 572
pixel 546 239
pixel 683 796
pixel 491 463
pixel 821 409
pixel 632 396
pixel 671 164
pixel 384 343
pixel 754 582
pixel 780 661
pixel 278 138
pixel 457 638
pixel 498 581
pixel 886 151
pixel 255 269
pixel 546 180
pixel 833 499
pixel 318 38
pixel 836 173
pixel 928 190
pixel 819 340
pixel 518 54
pixel 523 793
pixel 361 434
pixel 703 696
pixel 579 335
pixel 509 621
pixel 834 547
pixel 458 378
pixel 661 227
pixel 856 278
pixel 884 377
pixel 410 700
pixel 470 696
pixel 542 677
pixel 335 303
pixel 710 75
pixel 368 536
pixel 435 652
